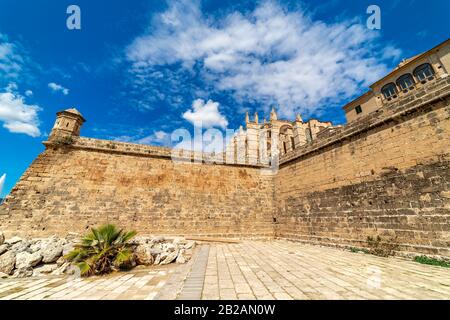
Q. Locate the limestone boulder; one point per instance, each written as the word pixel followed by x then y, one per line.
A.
pixel 7 262
pixel 44 269
pixel 144 254
pixel 3 248
pixel 170 257
pixel 23 273
pixel 14 240
pixel 157 260
pixel 60 261
pixel 66 268
pixel 189 245
pixel 51 250
pixel 25 260
pixel 181 258
pixel 169 247
pixel 67 248
pixel 35 246
pixel 158 239
pixel 179 241
pixel 20 246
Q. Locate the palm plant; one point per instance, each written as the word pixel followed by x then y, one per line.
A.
pixel 103 250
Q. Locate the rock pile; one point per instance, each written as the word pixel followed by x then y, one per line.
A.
pixel 34 257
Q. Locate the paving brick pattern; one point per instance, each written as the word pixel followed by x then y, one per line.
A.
pixel 289 270
pixel 136 285
pixel 194 283
pixel 252 270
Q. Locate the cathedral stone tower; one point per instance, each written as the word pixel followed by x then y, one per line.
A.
pixel 68 123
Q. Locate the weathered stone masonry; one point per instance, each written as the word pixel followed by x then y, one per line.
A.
pixel 385 174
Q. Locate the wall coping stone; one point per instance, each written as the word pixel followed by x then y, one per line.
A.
pixel 437 90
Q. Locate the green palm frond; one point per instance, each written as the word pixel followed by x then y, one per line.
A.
pixel 123 256
pixel 102 250
pixel 85 268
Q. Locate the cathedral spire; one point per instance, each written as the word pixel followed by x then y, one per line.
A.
pixel 247 118
pixel 256 118
pixel 273 114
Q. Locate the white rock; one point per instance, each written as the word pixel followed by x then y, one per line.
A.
pixel 67 248
pixel 2 238
pixel 180 257
pixel 189 245
pixel 170 257
pixel 23 273
pixel 169 247
pixel 35 247
pixel 26 260
pixel 3 248
pixel 60 261
pixel 51 251
pixel 64 269
pixel 7 262
pixel 179 241
pixel 20 246
pixel 157 259
pixel 144 255
pixel 14 240
pixel 44 269
pixel 158 239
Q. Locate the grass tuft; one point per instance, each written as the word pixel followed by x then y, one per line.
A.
pixel 432 261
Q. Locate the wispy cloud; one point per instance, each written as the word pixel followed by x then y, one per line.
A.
pixel 160 138
pixel 18 116
pixel 10 59
pixel 58 88
pixel 268 56
pixel 206 114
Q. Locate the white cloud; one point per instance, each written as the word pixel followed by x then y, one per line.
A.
pixel 16 115
pixel 58 88
pixel 2 182
pixel 28 93
pixel 267 56
pixel 156 138
pixel 10 60
pixel 206 114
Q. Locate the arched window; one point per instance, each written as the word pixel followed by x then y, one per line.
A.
pixel 424 72
pixel 389 91
pixel 405 82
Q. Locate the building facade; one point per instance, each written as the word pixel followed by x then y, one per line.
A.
pixel 410 75
pixel 264 142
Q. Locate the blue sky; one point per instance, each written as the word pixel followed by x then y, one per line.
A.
pixel 140 69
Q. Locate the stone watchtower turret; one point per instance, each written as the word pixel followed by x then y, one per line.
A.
pixel 68 124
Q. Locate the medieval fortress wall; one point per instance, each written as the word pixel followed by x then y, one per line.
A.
pixel 385 174
pixel 70 188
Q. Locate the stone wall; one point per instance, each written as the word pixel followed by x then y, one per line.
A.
pixel 387 174
pixel 88 182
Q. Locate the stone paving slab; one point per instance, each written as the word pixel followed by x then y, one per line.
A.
pixel 288 270
pixel 252 270
pixel 144 284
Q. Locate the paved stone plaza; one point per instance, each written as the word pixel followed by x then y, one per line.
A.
pixel 252 270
